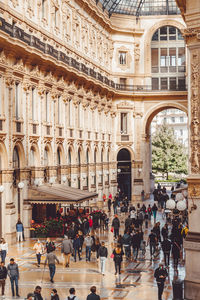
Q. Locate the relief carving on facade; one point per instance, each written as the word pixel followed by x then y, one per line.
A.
pixel 194 137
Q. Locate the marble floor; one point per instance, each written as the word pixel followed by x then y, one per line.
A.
pixel 135 282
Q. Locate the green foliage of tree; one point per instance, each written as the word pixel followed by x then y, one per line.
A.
pixel 168 154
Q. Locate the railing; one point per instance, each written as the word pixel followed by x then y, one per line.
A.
pixel 148 88
pixel 34 42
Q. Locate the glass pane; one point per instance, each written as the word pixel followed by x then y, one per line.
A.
pixel 172 30
pixel 154 60
pixel 172 83
pixel 155 36
pixel 163 30
pixel 180 37
pixel 155 84
pixel 181 84
pixel 163 82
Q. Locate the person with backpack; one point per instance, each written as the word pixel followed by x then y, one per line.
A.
pixel 102 254
pixel 72 295
pixel 50 246
pixel 118 257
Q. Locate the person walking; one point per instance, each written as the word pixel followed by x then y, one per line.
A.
pixel 136 240
pixel 37 293
pixel 160 274
pixel 118 258
pixel 19 229
pixel 72 295
pixel 3 249
pixel 116 226
pixel 93 295
pixel 77 246
pixel 152 241
pixel 13 273
pixel 176 253
pixel 51 259
pixel 102 254
pixel 126 240
pixel 66 249
pixel 109 205
pixel 54 295
pixel 154 211
pixel 88 243
pixel 166 248
pixel 38 247
pixel 3 276
pixel 50 246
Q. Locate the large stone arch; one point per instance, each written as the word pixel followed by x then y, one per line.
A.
pixel 62 154
pixel 153 111
pixel 4 156
pixel 73 157
pixel 48 147
pixel 36 150
pixel 21 154
pixel 148 38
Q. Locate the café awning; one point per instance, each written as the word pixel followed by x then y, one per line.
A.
pixel 58 194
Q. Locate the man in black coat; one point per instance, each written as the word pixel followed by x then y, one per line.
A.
pixel 93 295
pixel 166 248
pixel 160 274
pixel 3 276
pixel 116 225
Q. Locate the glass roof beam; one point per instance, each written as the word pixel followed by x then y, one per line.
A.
pixel 139 8
pixel 105 3
pixel 113 7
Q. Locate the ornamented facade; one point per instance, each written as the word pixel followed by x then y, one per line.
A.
pixel 75 88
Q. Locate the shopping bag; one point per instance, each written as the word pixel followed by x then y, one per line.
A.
pixel 112 229
pixel 112 255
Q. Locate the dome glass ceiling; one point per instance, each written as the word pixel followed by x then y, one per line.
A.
pixel 140 7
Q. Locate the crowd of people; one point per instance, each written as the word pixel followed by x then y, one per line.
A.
pixel 130 240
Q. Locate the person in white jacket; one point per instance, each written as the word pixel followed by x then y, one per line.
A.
pixel 39 251
pixel 4 250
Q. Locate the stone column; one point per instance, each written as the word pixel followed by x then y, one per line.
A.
pixel 137 165
pixel 191 13
pixel 192 242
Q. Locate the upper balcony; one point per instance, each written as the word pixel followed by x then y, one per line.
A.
pixel 60 57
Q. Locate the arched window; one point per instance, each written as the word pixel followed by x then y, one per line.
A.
pixel 87 156
pixel 32 157
pixel 168 59
pixel 58 157
pixel 16 161
pixel 79 157
pixel 95 156
pixel 46 157
pixel 69 157
pixel 102 155
pixel 108 156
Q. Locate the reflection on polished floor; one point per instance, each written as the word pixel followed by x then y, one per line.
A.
pixel 135 282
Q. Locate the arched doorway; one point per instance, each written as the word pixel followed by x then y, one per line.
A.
pixel 124 172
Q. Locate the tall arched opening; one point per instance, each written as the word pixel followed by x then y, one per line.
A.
pixel 124 172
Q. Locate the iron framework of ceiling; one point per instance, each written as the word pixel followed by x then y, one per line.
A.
pixel 140 7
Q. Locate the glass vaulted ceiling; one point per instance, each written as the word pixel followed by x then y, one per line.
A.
pixel 140 7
